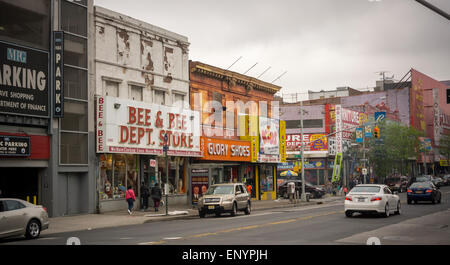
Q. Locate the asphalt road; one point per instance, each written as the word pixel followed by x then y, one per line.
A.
pixel 318 224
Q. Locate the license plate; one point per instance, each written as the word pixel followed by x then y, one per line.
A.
pixel 211 207
pixel 361 200
pixel 419 191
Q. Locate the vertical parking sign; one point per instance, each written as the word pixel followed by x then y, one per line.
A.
pixel 58 63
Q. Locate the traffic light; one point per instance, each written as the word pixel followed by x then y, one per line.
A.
pixel 376 132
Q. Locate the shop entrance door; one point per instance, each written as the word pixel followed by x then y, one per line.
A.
pixel 20 183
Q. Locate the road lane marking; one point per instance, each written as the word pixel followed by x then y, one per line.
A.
pixel 153 243
pixel 172 238
pixel 246 227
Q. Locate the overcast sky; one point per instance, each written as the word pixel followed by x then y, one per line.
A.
pixel 322 44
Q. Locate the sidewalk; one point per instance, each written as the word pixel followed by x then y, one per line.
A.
pixel 122 218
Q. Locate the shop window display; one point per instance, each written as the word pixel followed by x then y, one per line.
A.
pixel 116 173
pixel 266 178
pixel 176 186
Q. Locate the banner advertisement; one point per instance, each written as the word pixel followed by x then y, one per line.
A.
pixel 311 142
pixel 269 136
pixel 23 81
pixel 135 127
pixel 200 182
pixel 368 132
pixel 337 168
pixel 283 149
pixel 359 135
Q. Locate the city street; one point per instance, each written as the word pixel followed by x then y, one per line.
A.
pixel 317 224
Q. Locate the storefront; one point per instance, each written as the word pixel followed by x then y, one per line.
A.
pixel 130 137
pixel 223 161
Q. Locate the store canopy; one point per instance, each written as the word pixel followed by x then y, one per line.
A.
pixel 288 173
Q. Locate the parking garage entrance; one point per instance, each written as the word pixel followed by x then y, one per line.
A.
pixel 20 183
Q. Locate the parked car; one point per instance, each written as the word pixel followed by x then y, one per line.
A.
pixel 446 179
pixel 313 190
pixel 438 182
pixel 423 191
pixel 397 183
pixel 18 217
pixel 372 198
pixel 221 198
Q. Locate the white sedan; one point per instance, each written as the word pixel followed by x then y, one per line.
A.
pixel 372 198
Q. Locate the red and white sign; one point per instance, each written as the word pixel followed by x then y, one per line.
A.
pixel 134 127
pixel 311 142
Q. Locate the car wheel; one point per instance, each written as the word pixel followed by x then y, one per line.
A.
pixel 201 214
pixel 33 229
pixel 398 208
pixel 248 210
pixel 234 210
pixel 348 213
pixel 386 210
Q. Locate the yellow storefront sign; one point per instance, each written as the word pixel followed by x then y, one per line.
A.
pixel 283 154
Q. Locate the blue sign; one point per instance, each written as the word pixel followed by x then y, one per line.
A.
pixel 379 116
pixel 368 132
pixel 359 135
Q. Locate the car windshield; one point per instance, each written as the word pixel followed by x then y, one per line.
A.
pixel 220 190
pixel 421 185
pixel 372 189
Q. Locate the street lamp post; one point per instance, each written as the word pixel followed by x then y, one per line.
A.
pixel 303 196
pixel 166 188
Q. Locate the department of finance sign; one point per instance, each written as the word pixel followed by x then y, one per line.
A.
pixel 23 81
pixel 14 146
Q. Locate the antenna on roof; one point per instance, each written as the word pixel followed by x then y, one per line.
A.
pixel 250 68
pixel 278 77
pixel 263 72
pixel 234 62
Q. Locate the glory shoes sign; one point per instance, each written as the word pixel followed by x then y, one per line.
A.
pixel 23 81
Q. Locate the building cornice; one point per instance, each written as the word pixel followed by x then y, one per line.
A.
pixel 233 78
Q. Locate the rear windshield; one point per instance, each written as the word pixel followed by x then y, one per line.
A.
pixel 421 185
pixel 423 179
pixel 366 189
pixel 221 190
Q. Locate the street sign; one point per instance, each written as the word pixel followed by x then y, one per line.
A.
pixel 379 116
pixel 359 135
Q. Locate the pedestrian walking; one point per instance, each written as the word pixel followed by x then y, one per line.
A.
pixel 156 196
pixel 249 188
pixel 129 196
pixel 345 190
pixel 145 193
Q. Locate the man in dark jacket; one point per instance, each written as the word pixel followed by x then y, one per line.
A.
pixel 145 193
pixel 156 196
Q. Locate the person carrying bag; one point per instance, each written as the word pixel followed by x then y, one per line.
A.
pixel 156 196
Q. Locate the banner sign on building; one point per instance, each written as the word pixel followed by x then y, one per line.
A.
pixel 337 168
pixel 23 81
pixel 437 117
pixel 135 127
pixel 339 128
pixel 311 142
pixel 359 135
pixel 283 149
pixel 58 63
pixel 368 131
pixel 14 145
pixel 269 136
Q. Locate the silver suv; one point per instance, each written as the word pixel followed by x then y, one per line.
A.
pixel 220 198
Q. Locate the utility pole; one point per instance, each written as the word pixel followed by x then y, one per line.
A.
pixel 303 197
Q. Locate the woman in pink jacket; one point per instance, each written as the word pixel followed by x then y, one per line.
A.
pixel 129 196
